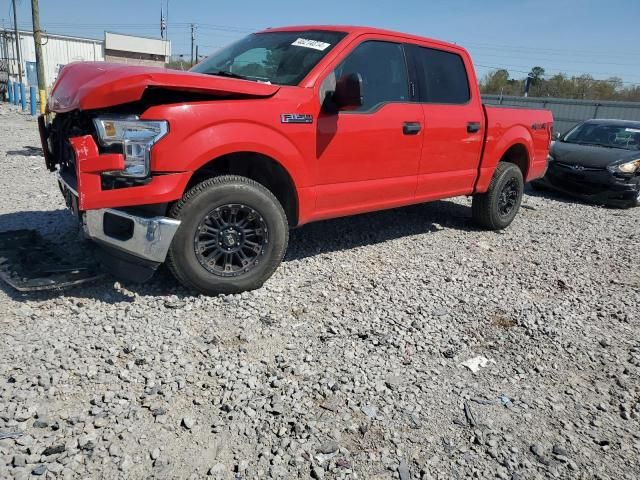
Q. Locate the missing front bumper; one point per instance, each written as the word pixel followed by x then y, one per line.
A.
pixel 146 238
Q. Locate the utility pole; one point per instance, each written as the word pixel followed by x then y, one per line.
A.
pixel 37 40
pixel 193 39
pixel 15 25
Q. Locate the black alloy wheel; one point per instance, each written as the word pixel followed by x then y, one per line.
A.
pixel 496 208
pixel 232 236
pixel 231 239
pixel 508 198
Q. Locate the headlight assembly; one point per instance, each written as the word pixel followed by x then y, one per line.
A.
pixel 629 167
pixel 136 138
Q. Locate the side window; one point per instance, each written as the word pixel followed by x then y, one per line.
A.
pixel 383 69
pixel 441 75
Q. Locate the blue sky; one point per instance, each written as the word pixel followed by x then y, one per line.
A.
pixel 573 36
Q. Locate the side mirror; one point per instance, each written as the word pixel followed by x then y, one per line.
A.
pixel 348 92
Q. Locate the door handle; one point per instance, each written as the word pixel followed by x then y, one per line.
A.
pixel 473 127
pixel 411 128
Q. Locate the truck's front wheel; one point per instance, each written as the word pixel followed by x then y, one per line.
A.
pixel 497 208
pixel 232 237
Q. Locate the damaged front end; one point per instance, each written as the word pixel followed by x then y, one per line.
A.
pixel 104 176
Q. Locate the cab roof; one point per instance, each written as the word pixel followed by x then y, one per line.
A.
pixel 360 30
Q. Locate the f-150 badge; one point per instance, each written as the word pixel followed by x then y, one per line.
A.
pixel 296 118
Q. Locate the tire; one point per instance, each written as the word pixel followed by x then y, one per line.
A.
pixel 209 207
pixel 488 209
pixel 636 202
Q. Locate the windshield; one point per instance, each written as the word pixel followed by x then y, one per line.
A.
pixel 606 135
pixel 283 58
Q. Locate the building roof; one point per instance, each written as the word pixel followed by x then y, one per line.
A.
pixel 53 35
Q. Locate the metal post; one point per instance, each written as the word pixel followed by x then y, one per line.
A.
pixel 16 93
pixel 34 100
pixel 23 96
pixel 15 25
pixel 37 40
pixel 10 90
pixel 193 38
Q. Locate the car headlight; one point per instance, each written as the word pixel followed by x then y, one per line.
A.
pixel 629 167
pixel 136 138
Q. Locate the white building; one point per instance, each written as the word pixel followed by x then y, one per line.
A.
pixel 59 50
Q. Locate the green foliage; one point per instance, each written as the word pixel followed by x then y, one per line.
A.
pixel 560 85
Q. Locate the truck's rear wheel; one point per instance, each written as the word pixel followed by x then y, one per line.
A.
pixel 233 236
pixel 497 208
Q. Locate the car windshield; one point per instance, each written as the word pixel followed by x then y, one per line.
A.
pixel 283 58
pixel 606 135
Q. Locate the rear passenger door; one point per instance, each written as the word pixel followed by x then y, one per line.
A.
pixel 454 122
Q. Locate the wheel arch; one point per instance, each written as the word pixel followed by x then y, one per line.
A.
pixel 514 145
pixel 259 167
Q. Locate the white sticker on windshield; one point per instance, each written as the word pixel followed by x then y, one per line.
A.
pixel 632 130
pixel 315 44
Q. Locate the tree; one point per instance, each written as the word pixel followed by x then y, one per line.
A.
pixel 559 85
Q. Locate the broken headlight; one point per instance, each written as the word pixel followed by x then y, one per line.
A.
pixel 136 137
pixel 629 167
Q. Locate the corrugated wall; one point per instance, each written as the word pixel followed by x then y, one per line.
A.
pixel 57 51
pixel 567 113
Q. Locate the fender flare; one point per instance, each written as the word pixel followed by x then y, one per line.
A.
pixel 494 151
pixel 221 139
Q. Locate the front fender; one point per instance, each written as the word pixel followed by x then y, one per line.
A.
pixel 499 140
pixel 189 146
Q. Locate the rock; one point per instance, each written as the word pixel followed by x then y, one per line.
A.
pixel 39 470
pixel 317 473
pixel 558 450
pixel 218 471
pixel 393 382
pixel 40 423
pixel 329 447
pixel 188 422
pixel 403 471
pixel 537 449
pixel 53 450
pixel 370 411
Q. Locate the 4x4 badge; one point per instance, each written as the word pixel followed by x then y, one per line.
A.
pixel 296 118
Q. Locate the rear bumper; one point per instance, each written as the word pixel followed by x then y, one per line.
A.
pixel 595 186
pixel 146 238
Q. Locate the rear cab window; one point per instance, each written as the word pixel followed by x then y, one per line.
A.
pixel 441 75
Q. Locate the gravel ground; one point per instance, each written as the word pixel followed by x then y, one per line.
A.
pixel 346 364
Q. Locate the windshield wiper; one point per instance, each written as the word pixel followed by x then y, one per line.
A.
pixel 225 73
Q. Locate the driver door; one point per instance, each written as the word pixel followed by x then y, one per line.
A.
pixel 368 158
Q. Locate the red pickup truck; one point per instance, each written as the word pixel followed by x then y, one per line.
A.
pixel 208 169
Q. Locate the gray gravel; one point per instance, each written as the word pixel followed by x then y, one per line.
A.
pixel 347 364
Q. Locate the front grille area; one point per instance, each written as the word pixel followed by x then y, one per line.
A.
pixel 63 127
pixel 570 166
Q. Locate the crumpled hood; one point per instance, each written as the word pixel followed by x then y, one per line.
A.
pixel 91 85
pixel 590 155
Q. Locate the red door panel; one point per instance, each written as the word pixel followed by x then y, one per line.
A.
pixel 451 154
pixel 357 152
